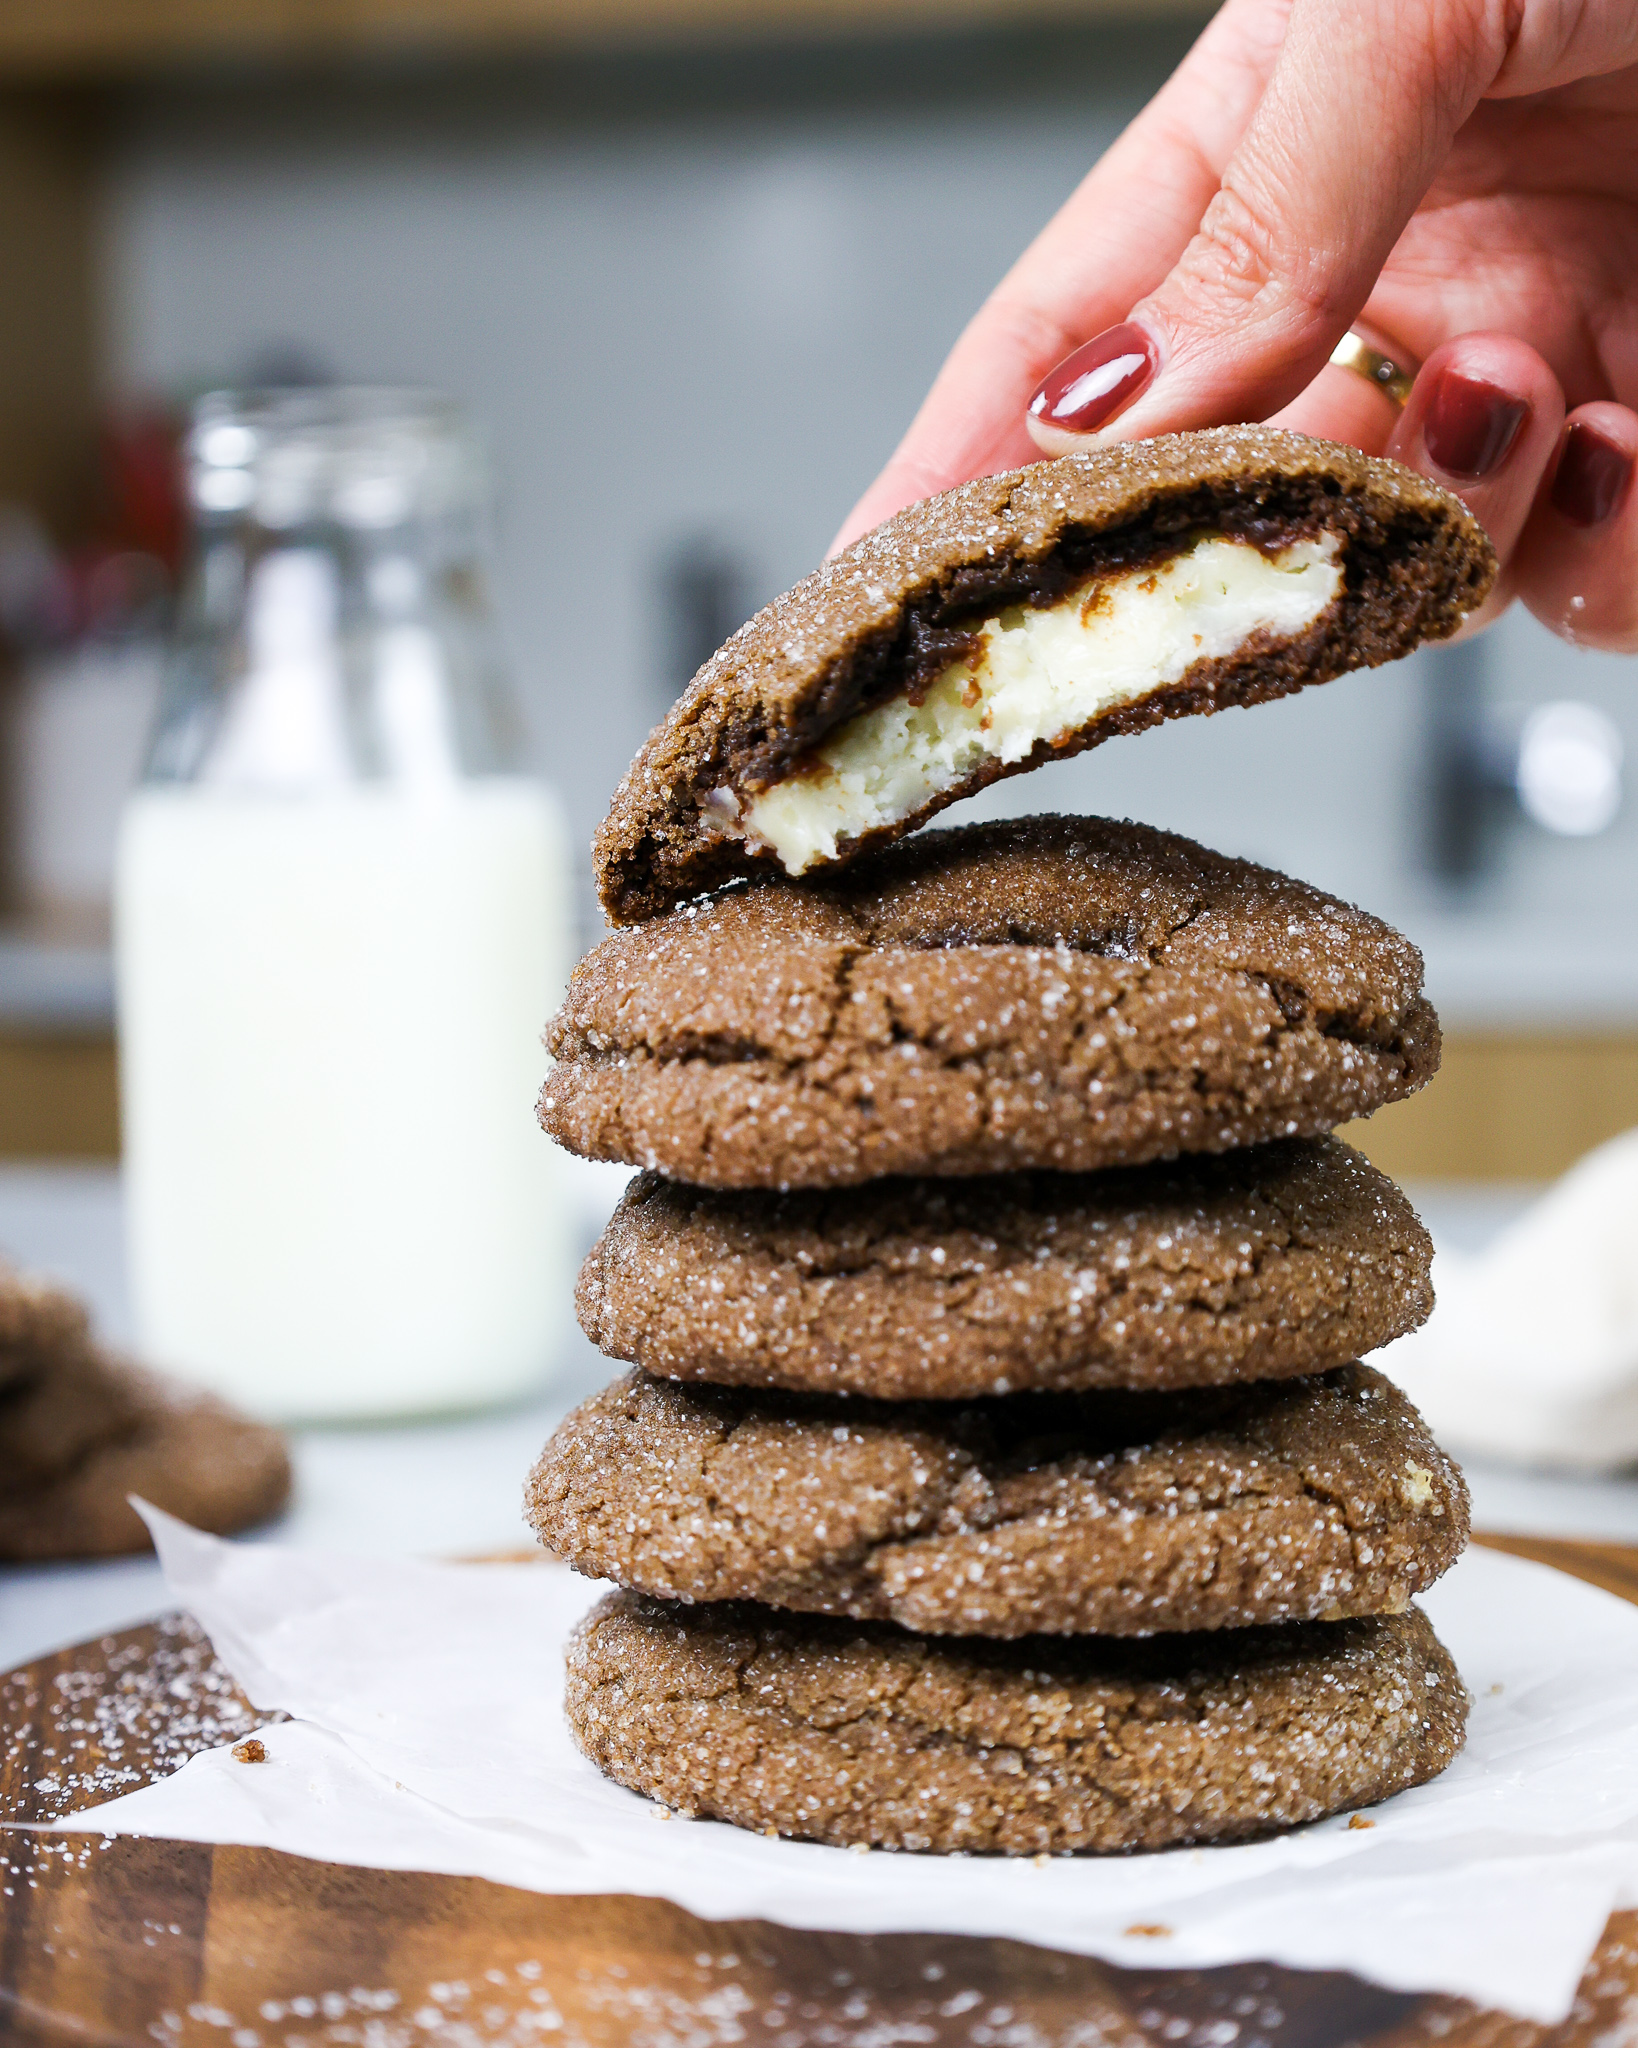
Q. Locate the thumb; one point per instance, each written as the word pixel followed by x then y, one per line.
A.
pixel 1358 116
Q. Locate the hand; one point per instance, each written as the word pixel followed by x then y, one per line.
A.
pixel 1460 176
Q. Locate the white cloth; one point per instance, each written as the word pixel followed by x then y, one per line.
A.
pixel 429 1736
pixel 1531 1354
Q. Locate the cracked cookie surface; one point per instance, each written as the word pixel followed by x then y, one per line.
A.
pixel 1066 993
pixel 1290 1257
pixel 852 1733
pixel 883 620
pixel 1099 1514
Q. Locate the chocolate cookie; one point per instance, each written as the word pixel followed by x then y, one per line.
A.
pixel 1020 619
pixel 1287 1258
pixel 39 1324
pixel 1054 1514
pixel 850 1732
pixel 62 1400
pixel 1047 992
pixel 183 1451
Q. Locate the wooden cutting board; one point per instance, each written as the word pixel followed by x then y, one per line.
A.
pixel 122 1941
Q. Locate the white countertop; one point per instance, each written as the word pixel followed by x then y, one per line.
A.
pixel 452 1486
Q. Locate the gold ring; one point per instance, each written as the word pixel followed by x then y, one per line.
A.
pixel 1392 375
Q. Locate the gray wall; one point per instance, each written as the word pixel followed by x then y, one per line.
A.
pixel 700 297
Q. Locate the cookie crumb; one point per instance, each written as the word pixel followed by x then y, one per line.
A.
pixel 1358 1820
pixel 1151 1930
pixel 250 1751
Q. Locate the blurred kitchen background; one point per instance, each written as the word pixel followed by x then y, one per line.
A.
pixel 689 265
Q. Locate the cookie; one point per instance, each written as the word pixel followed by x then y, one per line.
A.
pixel 183 1451
pixel 58 1400
pixel 1020 619
pixel 850 1732
pixel 1039 1514
pixel 1046 992
pixel 39 1323
pixel 1287 1258
pixel 49 1423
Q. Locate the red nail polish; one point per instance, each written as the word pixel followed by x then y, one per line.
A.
pixel 1470 425
pixel 1097 381
pixel 1592 476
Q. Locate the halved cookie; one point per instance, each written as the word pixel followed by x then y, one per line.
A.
pixel 1286 1258
pixel 1094 1514
pixel 1022 618
pixel 854 1733
pixel 1049 992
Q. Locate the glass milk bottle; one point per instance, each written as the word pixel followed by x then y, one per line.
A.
pixel 342 917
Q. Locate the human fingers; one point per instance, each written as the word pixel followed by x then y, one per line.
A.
pixel 1113 240
pixel 1483 419
pixel 1346 405
pixel 1577 563
pixel 1361 110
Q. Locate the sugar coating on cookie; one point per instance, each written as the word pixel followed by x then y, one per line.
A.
pixel 856 1733
pixel 1068 993
pixel 1019 619
pixel 1100 1514
pixel 1285 1258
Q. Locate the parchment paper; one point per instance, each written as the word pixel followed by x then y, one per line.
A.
pixel 428 1736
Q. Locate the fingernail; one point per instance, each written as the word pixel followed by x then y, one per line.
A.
pixel 1592 476
pixel 1470 425
pixel 1098 380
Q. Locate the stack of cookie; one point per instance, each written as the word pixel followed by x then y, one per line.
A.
pixel 998 1472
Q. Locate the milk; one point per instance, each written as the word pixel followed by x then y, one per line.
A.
pixel 330 1009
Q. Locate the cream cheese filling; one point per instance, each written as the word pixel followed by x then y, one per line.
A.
pixel 1035 674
